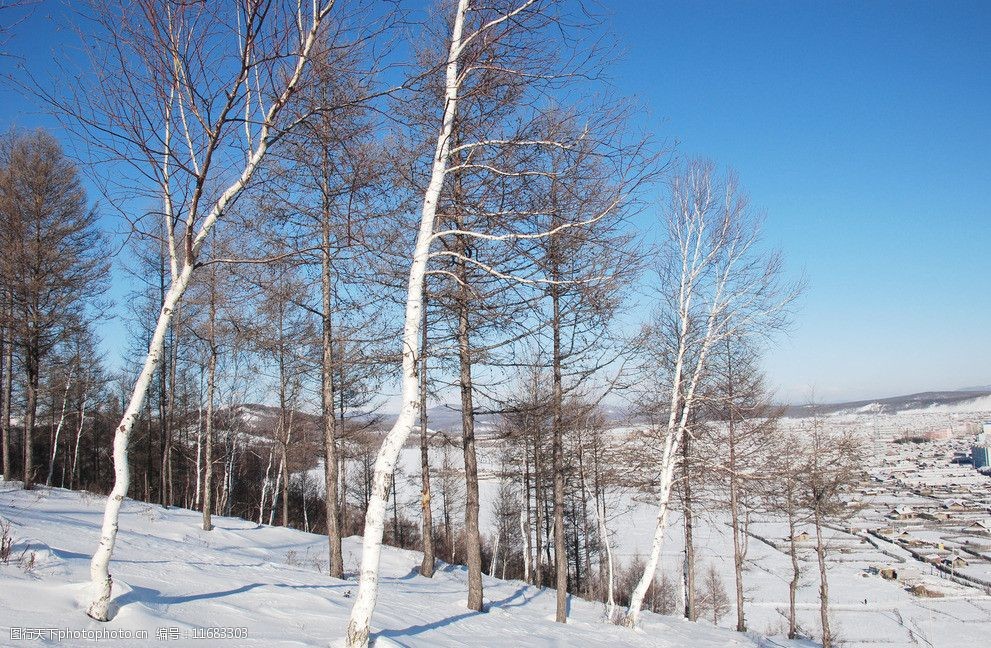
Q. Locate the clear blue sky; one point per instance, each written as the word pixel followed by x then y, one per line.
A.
pixel 863 129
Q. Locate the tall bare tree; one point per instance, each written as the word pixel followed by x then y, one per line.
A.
pixel 193 95
pixel 56 264
pixel 513 29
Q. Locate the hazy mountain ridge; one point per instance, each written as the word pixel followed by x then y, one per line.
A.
pixel 892 404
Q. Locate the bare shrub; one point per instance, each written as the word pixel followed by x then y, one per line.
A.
pixel 6 542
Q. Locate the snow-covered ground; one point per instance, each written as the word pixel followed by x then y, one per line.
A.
pixel 866 609
pixel 263 586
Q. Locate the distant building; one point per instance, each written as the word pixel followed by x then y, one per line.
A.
pixel 939 435
pixel 980 454
pixel 902 513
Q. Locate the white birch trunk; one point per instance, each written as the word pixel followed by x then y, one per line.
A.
pixel 495 556
pixel 275 491
pixel 58 429
pixel 75 450
pixel 694 260
pixel 100 564
pixel 385 462
pixel 268 472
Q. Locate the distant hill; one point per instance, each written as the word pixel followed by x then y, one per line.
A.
pixel 922 400
pixel 981 388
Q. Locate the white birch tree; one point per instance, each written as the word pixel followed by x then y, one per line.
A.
pixel 385 462
pixel 193 96
pixel 715 282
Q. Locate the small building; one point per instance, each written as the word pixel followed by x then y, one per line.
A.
pixel 902 513
pixel 924 591
pixel 955 562
pixel 887 573
pixel 979 526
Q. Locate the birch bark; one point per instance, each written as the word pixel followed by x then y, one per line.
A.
pixel 385 463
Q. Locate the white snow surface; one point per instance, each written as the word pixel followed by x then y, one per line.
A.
pixel 173 579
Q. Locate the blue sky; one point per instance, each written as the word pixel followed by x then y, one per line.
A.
pixel 862 129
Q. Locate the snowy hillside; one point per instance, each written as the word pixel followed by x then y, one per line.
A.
pixel 172 579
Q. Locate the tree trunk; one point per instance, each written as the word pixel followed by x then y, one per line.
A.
pixel 99 566
pixel 795 573
pixel 361 613
pixel 689 567
pixel 664 497
pixel 30 413
pixel 600 511
pixel 331 511
pixel 538 505
pixel 827 637
pixel 58 428
pixel 473 546
pixel 285 481
pixel 734 497
pixel 199 443
pixel 525 511
pixel 738 555
pixel 427 531
pixel 495 555
pixel 81 413
pixel 170 404
pixel 6 368
pixel 211 381
pixel 265 482
pixel 557 452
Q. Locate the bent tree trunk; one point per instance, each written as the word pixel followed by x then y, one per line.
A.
pixel 100 564
pixel 361 614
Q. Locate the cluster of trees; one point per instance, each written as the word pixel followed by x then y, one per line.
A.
pixel 309 213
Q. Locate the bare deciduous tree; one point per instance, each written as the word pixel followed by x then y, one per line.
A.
pixel 55 263
pixel 715 283
pixel 193 96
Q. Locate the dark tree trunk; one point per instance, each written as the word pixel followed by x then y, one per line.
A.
pixel 472 539
pixel 6 371
pixel 331 511
pixel 30 413
pixel 557 436
pixel 427 532
pixel 827 636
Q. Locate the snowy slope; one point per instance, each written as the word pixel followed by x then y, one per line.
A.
pixel 169 574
